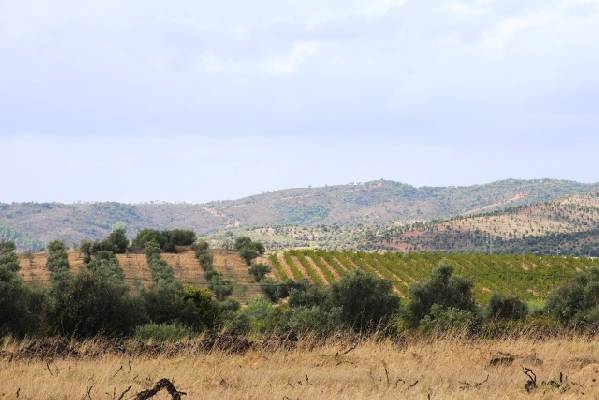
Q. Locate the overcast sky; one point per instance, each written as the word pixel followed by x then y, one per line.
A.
pixel 187 100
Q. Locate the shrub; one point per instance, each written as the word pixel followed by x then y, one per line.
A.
pixel 8 256
pixel 58 259
pixel 171 304
pixel 315 320
pixel 106 262
pixel 148 235
pixel 163 332
pixel 167 239
pixel 92 303
pixel 117 241
pixel 20 306
pixel 366 302
pixel 221 287
pixel 450 320
pixel 506 308
pixel 274 290
pixel 576 303
pixel 303 294
pixel 258 271
pixel 248 250
pixel 151 249
pixel 443 289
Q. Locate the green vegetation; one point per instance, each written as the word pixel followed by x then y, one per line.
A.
pixel 167 240
pixel 20 306
pixel 528 277
pixel 58 259
pixel 222 288
pixel 443 296
pixel 439 297
pixel 248 249
pixel 577 303
pixel 259 271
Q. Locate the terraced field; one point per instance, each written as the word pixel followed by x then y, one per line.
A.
pixel 527 276
pixel 233 268
pixel 137 274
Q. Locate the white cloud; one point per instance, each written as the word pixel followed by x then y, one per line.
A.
pixel 289 62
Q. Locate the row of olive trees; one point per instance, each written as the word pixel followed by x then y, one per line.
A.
pixel 221 287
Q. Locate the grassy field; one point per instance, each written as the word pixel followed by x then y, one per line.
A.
pixel 530 277
pixel 441 369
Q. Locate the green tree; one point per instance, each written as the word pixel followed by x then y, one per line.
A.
pixel 248 250
pixel 506 308
pixel 366 302
pixel 20 306
pixel 444 290
pixel 577 303
pixel 58 259
pixel 258 271
pixel 8 256
pixel 94 302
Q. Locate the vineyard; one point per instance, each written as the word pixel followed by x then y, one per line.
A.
pixel 527 276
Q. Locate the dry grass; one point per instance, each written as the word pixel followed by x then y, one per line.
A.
pixel 441 369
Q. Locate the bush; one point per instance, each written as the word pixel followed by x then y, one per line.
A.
pixel 8 256
pixel 167 239
pixel 366 302
pixel 506 308
pixel 20 306
pixel 258 271
pixel 221 287
pixel 117 242
pixel 58 259
pixel 303 294
pixel 450 320
pixel 145 236
pixel 315 320
pixel 151 249
pixel 163 332
pixel 274 290
pixel 443 290
pixel 106 262
pixel 93 303
pixel 171 304
pixel 576 303
pixel 248 250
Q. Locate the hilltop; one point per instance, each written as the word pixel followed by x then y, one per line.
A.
pixel 347 207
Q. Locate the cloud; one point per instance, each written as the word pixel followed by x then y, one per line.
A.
pixel 289 62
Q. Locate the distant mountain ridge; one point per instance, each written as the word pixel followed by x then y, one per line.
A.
pixel 371 203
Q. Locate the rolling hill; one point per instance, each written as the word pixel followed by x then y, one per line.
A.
pixel 350 207
pixel 567 225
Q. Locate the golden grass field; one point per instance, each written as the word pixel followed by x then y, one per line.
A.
pixel 434 369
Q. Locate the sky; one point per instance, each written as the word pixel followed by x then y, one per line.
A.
pixel 192 101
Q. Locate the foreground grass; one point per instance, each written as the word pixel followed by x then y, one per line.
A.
pixel 437 369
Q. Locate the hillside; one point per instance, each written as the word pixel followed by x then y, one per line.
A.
pixel 530 277
pixel 137 274
pixel 527 276
pixel 370 204
pixel 567 225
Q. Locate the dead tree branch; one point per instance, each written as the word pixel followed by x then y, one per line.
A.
pixel 162 384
